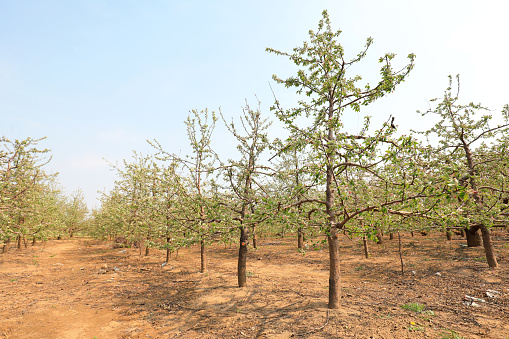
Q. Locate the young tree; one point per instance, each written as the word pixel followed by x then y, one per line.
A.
pixel 200 210
pixel 245 178
pixel 332 91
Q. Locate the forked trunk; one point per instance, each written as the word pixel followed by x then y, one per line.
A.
pixel 334 272
pixel 203 256
pixel 241 267
pixel 488 247
pixel 473 236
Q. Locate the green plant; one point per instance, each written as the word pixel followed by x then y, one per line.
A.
pixel 452 335
pixel 413 328
pixel 415 307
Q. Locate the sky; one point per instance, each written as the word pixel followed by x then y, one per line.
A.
pixel 100 78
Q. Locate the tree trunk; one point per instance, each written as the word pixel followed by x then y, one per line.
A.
pixel 241 267
pixel 334 272
pixel 379 237
pixel 5 247
pixel 19 242
pixel 391 236
pixel 366 250
pixel 203 256
pixel 168 253
pixel 473 236
pixel 300 239
pixel 488 247
pixel 25 241
pixel 254 236
pixel 448 233
pixel 463 233
pixel 147 247
pixel 33 241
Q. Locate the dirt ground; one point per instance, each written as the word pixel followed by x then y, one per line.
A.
pixel 82 288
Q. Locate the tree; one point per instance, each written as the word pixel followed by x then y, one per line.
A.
pixel 200 211
pixel 245 178
pixel 75 213
pixel 475 170
pixel 325 81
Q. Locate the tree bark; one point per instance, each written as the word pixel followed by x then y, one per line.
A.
pixel 334 272
pixel 448 233
pixel 33 241
pixel 366 250
pixel 253 229
pixel 203 256
pixel 379 237
pixel 488 247
pixel 168 253
pixel 241 266
pixel 391 236
pixel 5 247
pixel 300 239
pixel 19 242
pixel 473 236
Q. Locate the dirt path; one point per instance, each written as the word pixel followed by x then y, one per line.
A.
pixel 85 289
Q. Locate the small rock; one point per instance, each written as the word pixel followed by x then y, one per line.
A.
pixel 413 272
pixel 104 266
pixel 82 268
pixel 490 295
pixel 438 274
pixel 101 271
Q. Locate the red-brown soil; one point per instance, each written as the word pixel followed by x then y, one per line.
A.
pixel 82 288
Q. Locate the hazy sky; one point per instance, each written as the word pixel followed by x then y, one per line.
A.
pixel 99 78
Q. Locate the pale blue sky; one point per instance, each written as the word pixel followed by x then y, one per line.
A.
pixel 99 78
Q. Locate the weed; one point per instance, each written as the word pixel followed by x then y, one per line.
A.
pixel 14 279
pixel 481 259
pixel 385 316
pixel 34 262
pixel 250 274
pixel 416 307
pixel 452 335
pixel 361 267
pixel 51 256
pixel 413 328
